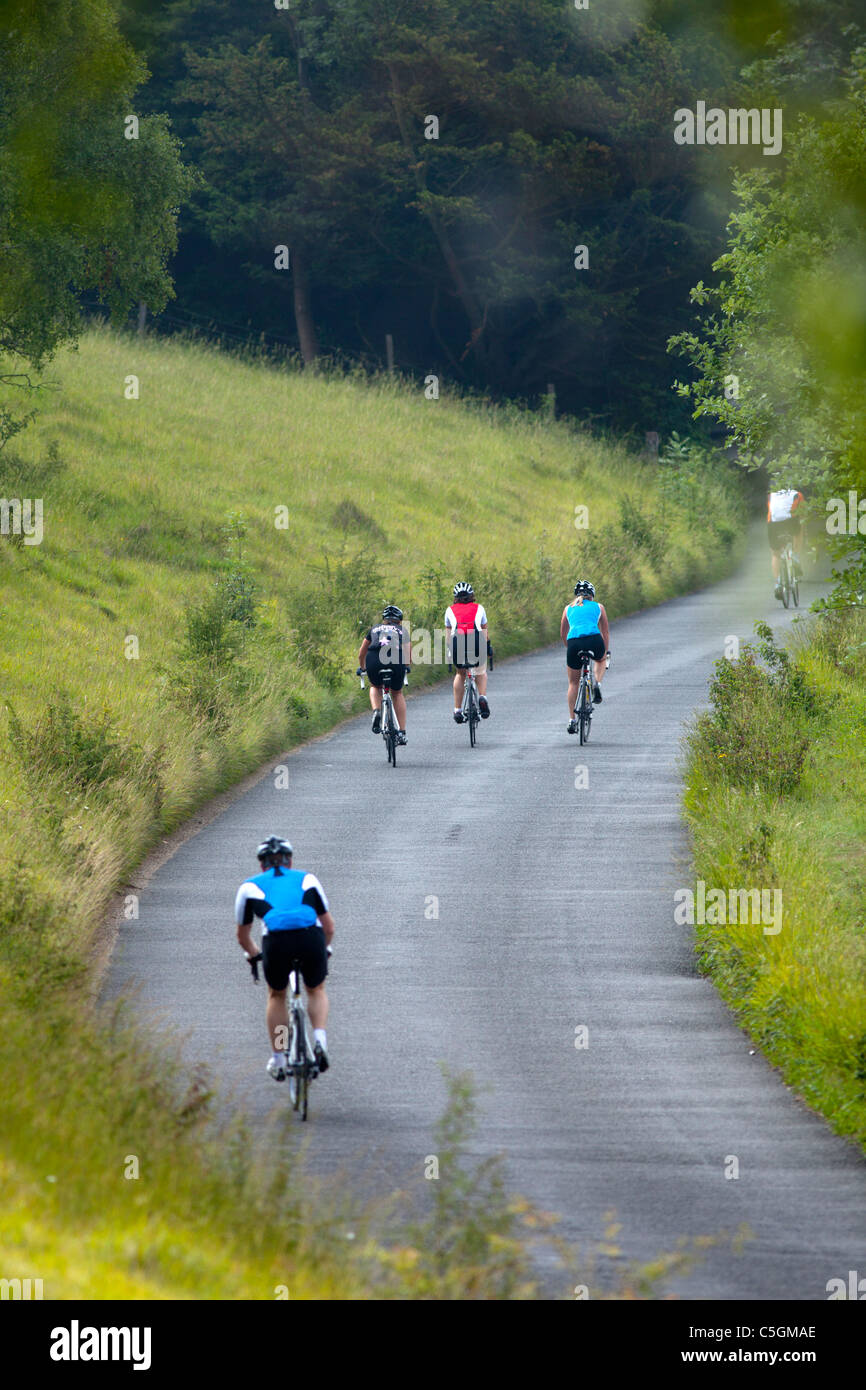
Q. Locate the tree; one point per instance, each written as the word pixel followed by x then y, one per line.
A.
pixel 88 201
pixel 780 355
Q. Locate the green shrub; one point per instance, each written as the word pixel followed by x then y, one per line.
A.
pixel 762 719
pixel 80 748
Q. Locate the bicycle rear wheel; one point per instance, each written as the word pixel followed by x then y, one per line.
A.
pixel 785 581
pixel 474 716
pixel 584 705
pixel 390 734
pixel 295 1052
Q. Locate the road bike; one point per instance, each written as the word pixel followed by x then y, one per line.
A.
pixel 301 1064
pixel 788 581
pixel 471 706
pixel 389 727
pixel 582 712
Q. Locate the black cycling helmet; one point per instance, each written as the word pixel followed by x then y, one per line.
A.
pixel 463 591
pixel 583 586
pixel 271 847
pixel 391 611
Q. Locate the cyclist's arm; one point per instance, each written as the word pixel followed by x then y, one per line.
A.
pixel 564 625
pixel 327 923
pixel 362 654
pixel 245 938
pixel 604 626
pixel 249 897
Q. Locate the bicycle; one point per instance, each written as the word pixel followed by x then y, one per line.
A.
pixel 471 708
pixel 788 581
pixel 582 712
pixel 390 727
pixel 301 1065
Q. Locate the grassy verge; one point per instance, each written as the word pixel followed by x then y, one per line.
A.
pixel 213 547
pixel 776 799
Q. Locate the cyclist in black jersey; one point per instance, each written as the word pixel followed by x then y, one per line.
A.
pixel 386 647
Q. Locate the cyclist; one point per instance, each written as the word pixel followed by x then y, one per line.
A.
pixel 466 622
pixel 785 523
pixel 387 647
pixel 584 627
pixel 296 925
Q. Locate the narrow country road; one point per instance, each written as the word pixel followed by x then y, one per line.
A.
pixel 555 909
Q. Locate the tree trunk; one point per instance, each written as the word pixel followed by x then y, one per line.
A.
pixel 303 313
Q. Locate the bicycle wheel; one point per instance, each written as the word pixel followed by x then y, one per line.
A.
pixel 389 733
pixel 785 581
pixel 584 705
pixel 474 716
pixel 294 1053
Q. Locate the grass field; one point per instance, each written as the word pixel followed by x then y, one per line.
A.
pixel 212 552
pixel 777 798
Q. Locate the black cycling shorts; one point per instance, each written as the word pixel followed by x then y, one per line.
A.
pixel 592 642
pixel 376 671
pixel 780 532
pixel 305 944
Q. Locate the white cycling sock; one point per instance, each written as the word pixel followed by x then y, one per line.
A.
pixel 279 1057
pixel 321 1037
pixel 456 709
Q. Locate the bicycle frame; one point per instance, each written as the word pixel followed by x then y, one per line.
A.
pixel 389 720
pixel 582 712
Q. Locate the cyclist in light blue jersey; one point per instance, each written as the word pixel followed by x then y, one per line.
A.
pixel 584 628
pixel 296 925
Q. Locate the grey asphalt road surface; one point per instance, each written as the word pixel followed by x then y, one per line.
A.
pixel 486 908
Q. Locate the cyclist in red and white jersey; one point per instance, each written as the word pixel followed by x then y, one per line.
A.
pixel 784 523
pixel 466 622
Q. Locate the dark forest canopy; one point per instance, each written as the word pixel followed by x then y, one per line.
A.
pixel 311 126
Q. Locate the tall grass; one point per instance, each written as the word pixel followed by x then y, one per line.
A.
pixel 776 796
pixel 212 552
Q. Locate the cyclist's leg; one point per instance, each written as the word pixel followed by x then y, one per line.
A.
pixel 277 1018
pixel 318 1005
pixel 776 540
pixel 398 699
pixel 314 969
pixel 276 963
pixel 374 676
pixel 459 687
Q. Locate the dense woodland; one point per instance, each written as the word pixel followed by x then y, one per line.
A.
pixel 305 125
pixel 309 126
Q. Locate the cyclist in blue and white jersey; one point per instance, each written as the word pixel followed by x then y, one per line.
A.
pixel 296 925
pixel 584 627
